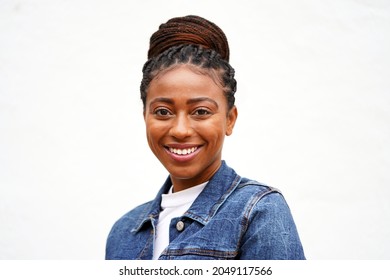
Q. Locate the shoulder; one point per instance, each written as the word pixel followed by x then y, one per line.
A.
pixel 266 208
pixel 131 219
pixel 250 197
pixel 122 242
pixel 269 228
pixel 256 190
pixel 252 186
pixel 260 198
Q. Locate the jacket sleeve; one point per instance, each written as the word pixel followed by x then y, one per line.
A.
pixel 271 233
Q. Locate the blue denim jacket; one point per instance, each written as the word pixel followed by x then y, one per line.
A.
pixel 232 218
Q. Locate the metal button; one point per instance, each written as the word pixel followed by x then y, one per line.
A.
pixel 180 226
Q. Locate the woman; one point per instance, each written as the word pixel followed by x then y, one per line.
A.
pixel 204 210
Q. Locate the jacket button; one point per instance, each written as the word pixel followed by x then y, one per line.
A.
pixel 180 226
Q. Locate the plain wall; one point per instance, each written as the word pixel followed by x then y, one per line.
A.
pixel 313 99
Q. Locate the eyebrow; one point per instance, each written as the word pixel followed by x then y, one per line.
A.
pixel 189 101
pixel 163 100
pixel 201 99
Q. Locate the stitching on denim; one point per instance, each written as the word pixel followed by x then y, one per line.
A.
pixel 216 205
pixel 147 245
pixel 201 252
pixel 253 182
pixel 254 201
pixel 223 198
pixel 141 222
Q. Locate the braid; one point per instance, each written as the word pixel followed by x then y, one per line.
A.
pixel 190 40
pixel 189 30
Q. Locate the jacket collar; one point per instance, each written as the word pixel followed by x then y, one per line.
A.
pixel 220 186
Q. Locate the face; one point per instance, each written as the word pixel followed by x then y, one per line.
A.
pixel 187 119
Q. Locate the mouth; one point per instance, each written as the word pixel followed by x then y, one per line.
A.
pixel 184 152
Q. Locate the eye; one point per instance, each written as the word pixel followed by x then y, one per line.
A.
pixel 202 112
pixel 162 112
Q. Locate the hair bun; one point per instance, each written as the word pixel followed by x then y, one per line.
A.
pixel 189 30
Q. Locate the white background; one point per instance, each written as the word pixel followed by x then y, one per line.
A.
pixel 313 99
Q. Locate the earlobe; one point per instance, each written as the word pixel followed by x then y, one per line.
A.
pixel 231 120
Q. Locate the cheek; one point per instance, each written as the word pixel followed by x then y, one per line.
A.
pixel 155 132
pixel 214 130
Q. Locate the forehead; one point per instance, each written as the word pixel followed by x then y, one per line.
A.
pixel 184 79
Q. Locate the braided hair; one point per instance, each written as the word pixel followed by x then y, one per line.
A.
pixel 194 41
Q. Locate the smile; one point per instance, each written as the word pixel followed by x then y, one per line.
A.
pixel 183 151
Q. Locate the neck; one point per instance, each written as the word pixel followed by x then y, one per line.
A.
pixel 180 184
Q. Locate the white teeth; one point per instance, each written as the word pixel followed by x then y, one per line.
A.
pixel 183 151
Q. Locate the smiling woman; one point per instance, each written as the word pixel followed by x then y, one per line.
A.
pixel 187 118
pixel 204 210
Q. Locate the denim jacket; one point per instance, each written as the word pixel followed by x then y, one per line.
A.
pixel 232 218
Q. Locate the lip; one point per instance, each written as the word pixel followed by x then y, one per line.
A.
pixel 183 158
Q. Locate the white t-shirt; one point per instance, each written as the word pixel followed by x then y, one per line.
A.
pixel 173 205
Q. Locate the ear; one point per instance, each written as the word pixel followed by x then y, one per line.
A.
pixel 231 120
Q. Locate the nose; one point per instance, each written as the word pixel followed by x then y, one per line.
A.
pixel 181 127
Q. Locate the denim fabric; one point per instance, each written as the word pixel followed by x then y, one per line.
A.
pixel 233 218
